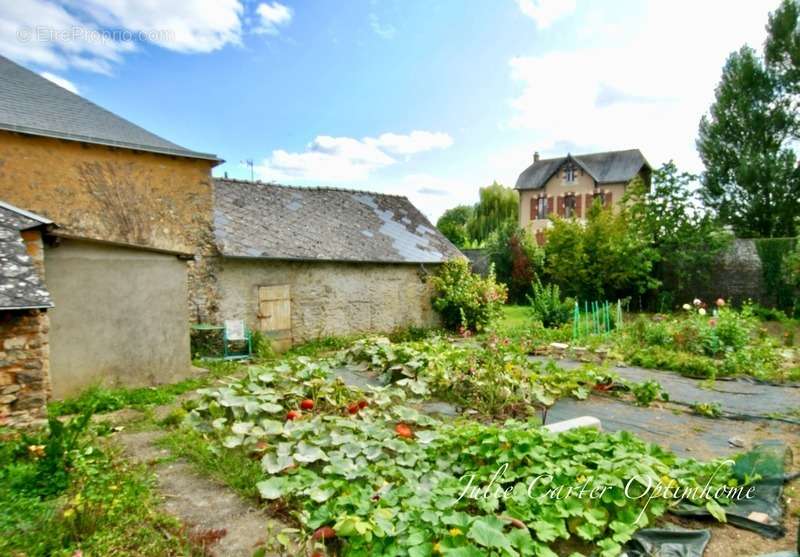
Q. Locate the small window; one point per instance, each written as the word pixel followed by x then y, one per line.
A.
pixel 569 206
pixel 541 208
pixel 569 173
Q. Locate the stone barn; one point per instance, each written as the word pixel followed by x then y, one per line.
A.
pixel 304 263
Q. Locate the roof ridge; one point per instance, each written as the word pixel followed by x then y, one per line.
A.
pixel 613 151
pixel 305 188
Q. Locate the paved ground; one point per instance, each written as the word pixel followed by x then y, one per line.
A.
pixel 207 508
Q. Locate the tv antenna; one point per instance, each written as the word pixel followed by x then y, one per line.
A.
pixel 249 163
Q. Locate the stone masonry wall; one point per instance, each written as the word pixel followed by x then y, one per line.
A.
pixel 25 353
pixel 24 366
pixel 331 299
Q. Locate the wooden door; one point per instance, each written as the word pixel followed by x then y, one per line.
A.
pixel 275 314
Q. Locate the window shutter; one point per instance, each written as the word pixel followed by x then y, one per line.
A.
pixel 540 237
pixel 588 202
pixel 550 205
pixel 560 205
pixel 533 207
pixel 578 213
pixel 608 199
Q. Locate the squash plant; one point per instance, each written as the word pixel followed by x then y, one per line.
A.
pixel 365 473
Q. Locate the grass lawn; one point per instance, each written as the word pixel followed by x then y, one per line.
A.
pixel 515 316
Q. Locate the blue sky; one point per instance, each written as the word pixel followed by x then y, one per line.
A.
pixel 423 98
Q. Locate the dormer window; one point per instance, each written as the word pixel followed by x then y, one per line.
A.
pixel 570 172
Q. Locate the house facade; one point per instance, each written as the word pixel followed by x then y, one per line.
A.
pixel 567 186
pixel 133 235
pixel 300 264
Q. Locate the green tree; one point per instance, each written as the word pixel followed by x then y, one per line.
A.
pixel 497 206
pixel 751 179
pixel 516 258
pixel 453 224
pixel 687 238
pixel 782 50
pixel 607 258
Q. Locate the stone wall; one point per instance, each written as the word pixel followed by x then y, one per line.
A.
pixel 737 276
pixel 25 353
pixel 331 299
pixel 24 366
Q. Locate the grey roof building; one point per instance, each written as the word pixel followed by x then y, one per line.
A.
pixel 269 221
pixel 21 286
pixel 31 104
pixel 605 168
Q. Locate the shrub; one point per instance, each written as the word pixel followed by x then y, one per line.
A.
pixel 779 264
pixel 261 346
pixel 734 329
pixel 690 365
pixel 465 299
pixel 608 258
pixel 517 260
pixel 547 305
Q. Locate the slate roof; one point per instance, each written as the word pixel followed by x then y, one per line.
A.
pixel 34 105
pixel 605 168
pixel 258 220
pixel 21 287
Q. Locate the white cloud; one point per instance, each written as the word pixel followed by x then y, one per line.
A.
pixel 433 195
pixel 414 142
pixel 272 16
pixel 345 159
pixel 546 12
pixel 185 26
pixel 44 33
pixel 386 31
pixel 648 90
pixel 94 35
pixel 61 82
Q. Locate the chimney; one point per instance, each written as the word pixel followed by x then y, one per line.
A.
pixel 536 156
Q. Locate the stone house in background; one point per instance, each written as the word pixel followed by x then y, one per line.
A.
pixel 134 233
pixel 304 263
pixel 24 301
pixel 567 186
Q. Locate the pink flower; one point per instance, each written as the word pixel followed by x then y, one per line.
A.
pixel 712 322
pixel 720 302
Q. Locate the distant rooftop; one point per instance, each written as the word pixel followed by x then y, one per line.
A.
pixel 31 104
pixel 258 220
pixel 605 168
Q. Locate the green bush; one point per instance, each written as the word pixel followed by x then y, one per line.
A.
pixel 517 260
pixel 607 258
pixel 690 365
pixel 547 305
pixel 465 299
pixel 779 265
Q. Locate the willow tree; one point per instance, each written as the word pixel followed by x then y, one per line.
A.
pixel 497 206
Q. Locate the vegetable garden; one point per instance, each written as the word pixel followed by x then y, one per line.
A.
pixel 367 472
